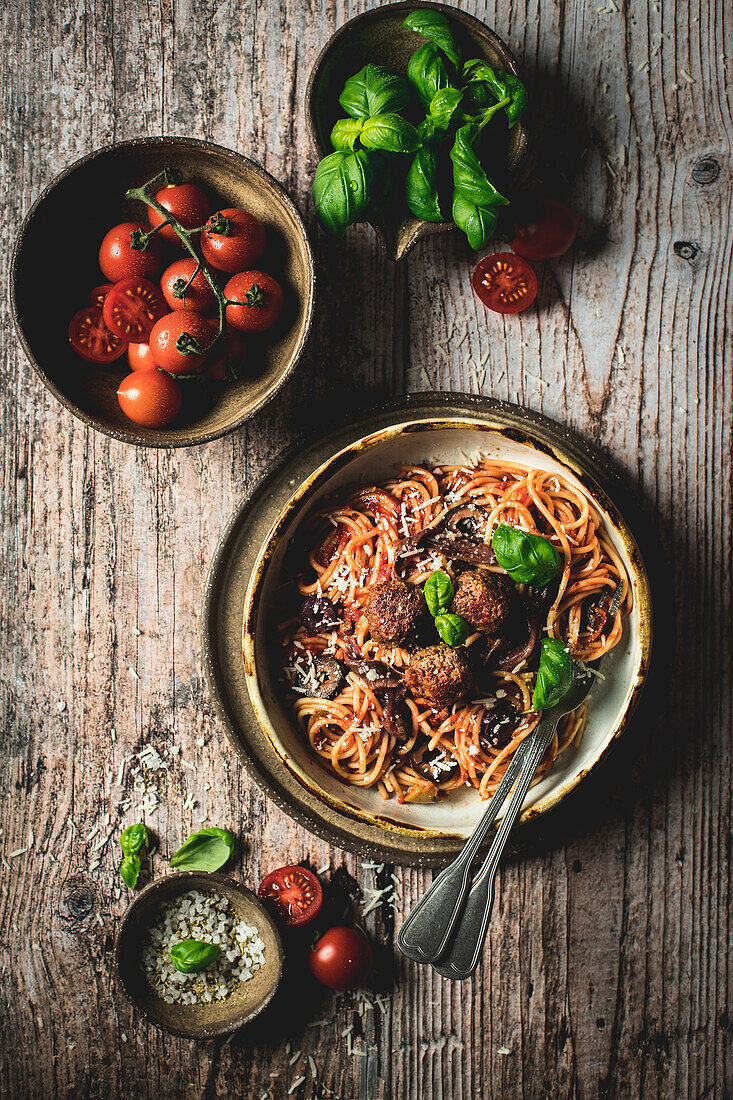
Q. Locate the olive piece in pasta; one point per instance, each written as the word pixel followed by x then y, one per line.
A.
pixel 318 615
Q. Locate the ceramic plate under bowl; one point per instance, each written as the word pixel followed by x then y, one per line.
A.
pixel 243 591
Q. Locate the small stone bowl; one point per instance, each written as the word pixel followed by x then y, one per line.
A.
pixel 203 1021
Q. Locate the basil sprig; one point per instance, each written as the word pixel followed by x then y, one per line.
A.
pixel 190 956
pixel 487 85
pixel 374 90
pixel 205 850
pixel 421 186
pixel 554 674
pixel 475 199
pixel 439 593
pixel 452 628
pixel 390 132
pixel 132 841
pixel 527 558
pixel 341 189
pixel 435 26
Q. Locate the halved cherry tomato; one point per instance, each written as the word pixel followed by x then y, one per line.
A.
pixel 150 398
pixel 186 202
pixel 176 338
pixel 96 297
pixel 199 295
pixel 132 307
pixel 90 337
pixel 119 260
pixel 140 357
pixel 505 282
pixel 239 247
pixel 546 229
pixel 259 301
pixel 294 892
pixel 341 958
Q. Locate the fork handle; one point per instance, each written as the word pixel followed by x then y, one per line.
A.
pixel 462 956
pixel 427 930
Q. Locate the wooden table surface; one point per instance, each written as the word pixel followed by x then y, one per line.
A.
pixel 607 969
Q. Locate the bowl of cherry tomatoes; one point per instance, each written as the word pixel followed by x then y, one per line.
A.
pixel 184 290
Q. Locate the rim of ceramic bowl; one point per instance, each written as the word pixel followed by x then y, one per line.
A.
pixel 130 435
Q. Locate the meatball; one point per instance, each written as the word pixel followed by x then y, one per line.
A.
pixel 483 599
pixel 393 609
pixel 439 674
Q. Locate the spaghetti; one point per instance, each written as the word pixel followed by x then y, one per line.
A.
pixel 391 530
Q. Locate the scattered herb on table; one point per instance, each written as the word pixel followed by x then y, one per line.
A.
pixel 439 592
pixel 206 850
pixel 132 841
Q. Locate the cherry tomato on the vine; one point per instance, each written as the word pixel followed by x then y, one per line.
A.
pixel 119 260
pixel 240 244
pixel 229 356
pixel 341 958
pixel 90 337
pixel 150 398
pixel 140 357
pixel 132 307
pixel 258 298
pixel 198 296
pixel 546 229
pixel 180 341
pixel 186 202
pixel 505 282
pixel 96 297
pixel 294 892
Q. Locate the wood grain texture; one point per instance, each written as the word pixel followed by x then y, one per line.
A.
pixel 607 969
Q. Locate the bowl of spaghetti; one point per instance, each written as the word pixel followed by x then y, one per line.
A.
pixel 372 708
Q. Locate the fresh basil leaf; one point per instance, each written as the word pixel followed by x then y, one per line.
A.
pixel 205 850
pixel 427 73
pixel 452 628
pixel 517 96
pixel 443 105
pixel 345 134
pixel 391 133
pixel 341 189
pixel 527 558
pixel 374 90
pixel 426 130
pixel 190 956
pixel 438 592
pixel 477 222
pixel 133 838
pixel 554 675
pixel 469 178
pixel 421 188
pixel 435 26
pixel 130 870
pixel 495 85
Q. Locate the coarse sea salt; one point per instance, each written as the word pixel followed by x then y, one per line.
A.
pixel 209 917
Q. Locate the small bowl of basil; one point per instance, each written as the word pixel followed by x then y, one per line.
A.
pixel 192 962
pixel 417 113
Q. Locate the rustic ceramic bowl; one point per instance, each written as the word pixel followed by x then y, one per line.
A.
pixel 68 222
pixel 244 605
pixel 378 37
pixel 207 1020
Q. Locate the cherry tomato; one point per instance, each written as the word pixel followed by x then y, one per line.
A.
pixel 505 282
pixel 199 296
pixel 237 249
pixel 132 307
pixel 150 398
pixel 259 298
pixel 170 336
pixel 90 337
pixel 294 892
pixel 119 260
pixel 96 297
pixel 232 355
pixel 186 202
pixel 546 230
pixel 140 357
pixel 341 958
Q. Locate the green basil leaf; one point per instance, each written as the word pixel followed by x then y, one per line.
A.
pixel 190 956
pixel 205 850
pixel 374 90
pixel 130 870
pixel 133 838
pixel 438 592
pixel 469 178
pixel 442 106
pixel 518 98
pixel 341 189
pixel 435 26
pixel 421 188
pixel 527 558
pixel 477 222
pixel 452 628
pixel 427 73
pixel 391 133
pixel 554 675
pixel 345 134
pixel 495 85
pixel 426 130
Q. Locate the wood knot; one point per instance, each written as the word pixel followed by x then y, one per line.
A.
pixel 685 250
pixel 705 170
pixel 79 901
